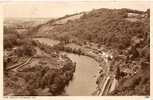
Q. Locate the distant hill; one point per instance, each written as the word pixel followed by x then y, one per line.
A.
pixel 45 29
pixel 24 22
pixel 105 26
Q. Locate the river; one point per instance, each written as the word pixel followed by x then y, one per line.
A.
pixel 85 76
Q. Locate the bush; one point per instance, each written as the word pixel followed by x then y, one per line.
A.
pixel 25 50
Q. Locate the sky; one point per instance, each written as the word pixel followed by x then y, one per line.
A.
pixel 57 9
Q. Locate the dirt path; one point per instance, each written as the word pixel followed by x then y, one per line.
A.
pixel 19 65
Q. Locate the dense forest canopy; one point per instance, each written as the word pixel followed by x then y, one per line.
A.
pixel 106 26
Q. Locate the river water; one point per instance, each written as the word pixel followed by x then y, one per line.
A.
pixel 85 76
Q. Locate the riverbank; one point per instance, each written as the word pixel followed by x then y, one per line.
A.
pixel 102 56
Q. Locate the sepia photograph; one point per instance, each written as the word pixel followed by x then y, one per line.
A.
pixel 89 48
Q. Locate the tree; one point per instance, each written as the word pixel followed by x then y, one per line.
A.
pixel 118 73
